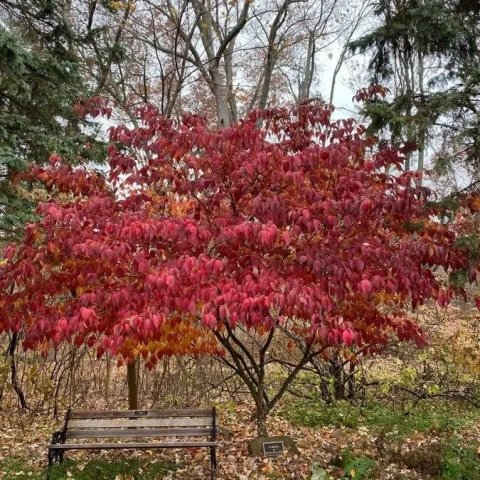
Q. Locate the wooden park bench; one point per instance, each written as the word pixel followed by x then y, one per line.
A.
pixel 185 428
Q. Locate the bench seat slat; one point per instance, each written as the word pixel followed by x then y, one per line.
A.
pixel 140 432
pixel 145 446
pixel 89 423
pixel 184 412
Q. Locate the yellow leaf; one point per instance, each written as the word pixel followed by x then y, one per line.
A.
pixel 117 5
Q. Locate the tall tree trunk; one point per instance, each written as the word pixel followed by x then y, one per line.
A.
pixel 132 380
pixel 220 92
pixel 409 89
pixel 272 57
pixel 422 134
pixel 360 16
pixel 229 81
pixel 306 81
pixel 338 67
pixel 272 53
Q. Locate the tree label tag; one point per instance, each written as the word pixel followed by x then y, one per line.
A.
pixel 273 449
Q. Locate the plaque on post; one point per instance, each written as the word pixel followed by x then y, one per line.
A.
pixel 271 446
pixel 273 449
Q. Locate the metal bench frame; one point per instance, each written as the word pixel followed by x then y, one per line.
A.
pixel 192 423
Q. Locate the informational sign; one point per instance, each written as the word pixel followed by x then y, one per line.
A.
pixel 273 449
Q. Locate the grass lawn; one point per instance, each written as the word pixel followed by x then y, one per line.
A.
pixel 98 469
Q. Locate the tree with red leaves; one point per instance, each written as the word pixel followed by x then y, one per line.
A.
pixel 294 230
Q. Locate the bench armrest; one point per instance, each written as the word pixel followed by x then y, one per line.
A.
pixel 58 437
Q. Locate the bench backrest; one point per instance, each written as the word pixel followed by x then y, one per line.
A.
pixel 141 423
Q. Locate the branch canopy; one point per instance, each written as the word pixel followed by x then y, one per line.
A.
pixel 295 224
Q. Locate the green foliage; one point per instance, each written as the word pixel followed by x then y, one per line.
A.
pixel 438 416
pixel 470 243
pixel 458 278
pixel 15 212
pixel 355 467
pixel 441 33
pixel 313 414
pixel 446 208
pixel 37 92
pixel 131 469
pixel 417 227
pixel 460 462
pixel 432 26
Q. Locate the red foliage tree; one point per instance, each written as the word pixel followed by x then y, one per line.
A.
pixel 295 227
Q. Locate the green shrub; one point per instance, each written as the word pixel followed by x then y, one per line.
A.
pixel 356 467
pixel 428 416
pixel 460 462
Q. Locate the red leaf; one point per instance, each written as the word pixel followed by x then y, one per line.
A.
pixel 365 286
pixel 348 337
pixel 477 302
pixel 209 320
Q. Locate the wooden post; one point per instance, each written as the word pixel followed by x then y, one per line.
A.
pixel 132 385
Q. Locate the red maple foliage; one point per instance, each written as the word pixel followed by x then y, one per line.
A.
pixel 241 226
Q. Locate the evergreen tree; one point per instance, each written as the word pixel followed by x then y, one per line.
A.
pixel 37 92
pixel 442 35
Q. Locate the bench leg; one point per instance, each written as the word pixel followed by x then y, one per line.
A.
pixel 213 462
pixel 50 464
pixel 54 456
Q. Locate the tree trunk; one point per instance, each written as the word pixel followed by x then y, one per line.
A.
pixel 232 102
pixel 336 371
pixel 422 134
pixel 107 381
pixel 219 90
pixel 272 54
pixel 261 401
pixel 13 371
pixel 352 390
pixel 267 77
pixel 338 66
pixel 409 89
pixel 222 106
pixel 306 81
pixel 132 379
pixel 261 419
pixel 326 393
